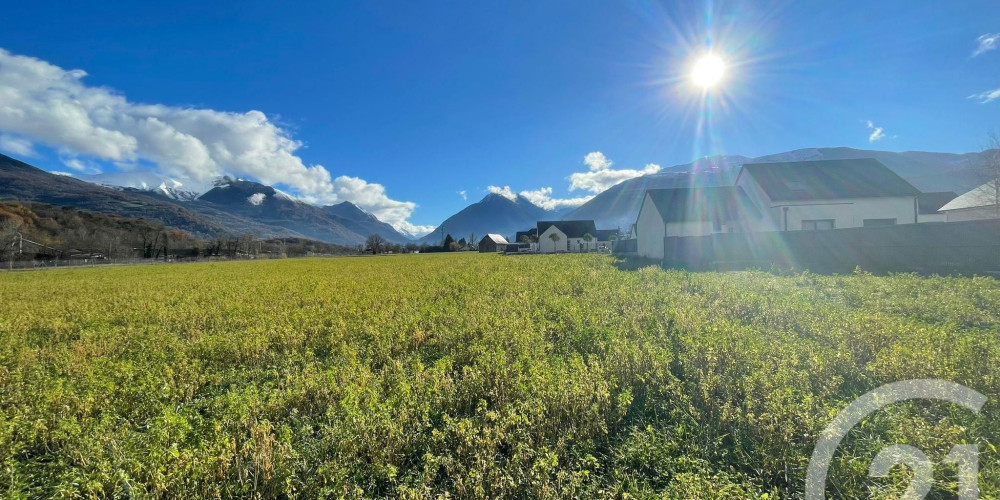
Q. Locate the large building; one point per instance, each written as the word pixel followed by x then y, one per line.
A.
pixel 829 194
pixel 786 196
pixel 692 212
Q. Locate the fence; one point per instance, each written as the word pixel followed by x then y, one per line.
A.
pixel 625 247
pixel 963 247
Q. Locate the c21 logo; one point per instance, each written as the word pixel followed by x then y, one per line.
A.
pixel 965 456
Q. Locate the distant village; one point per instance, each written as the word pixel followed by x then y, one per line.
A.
pixel 752 221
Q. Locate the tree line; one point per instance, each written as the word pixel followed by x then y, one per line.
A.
pixel 36 231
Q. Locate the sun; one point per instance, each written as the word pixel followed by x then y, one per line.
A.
pixel 708 71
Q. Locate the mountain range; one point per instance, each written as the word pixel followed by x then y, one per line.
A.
pixel 228 206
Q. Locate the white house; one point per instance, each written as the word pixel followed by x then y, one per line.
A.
pixel 692 212
pixel 566 236
pixel 980 203
pixel 929 205
pixel 829 194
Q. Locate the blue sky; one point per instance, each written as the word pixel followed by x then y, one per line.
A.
pixel 400 106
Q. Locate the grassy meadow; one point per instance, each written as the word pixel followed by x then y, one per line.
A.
pixel 477 376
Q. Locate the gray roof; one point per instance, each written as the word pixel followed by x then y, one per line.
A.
pixel 571 228
pixel 828 180
pixel 605 234
pixel 724 203
pixel 982 196
pixel 930 203
pixel 495 238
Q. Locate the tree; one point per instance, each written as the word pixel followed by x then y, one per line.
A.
pixel 448 240
pixel 375 243
pixel 10 234
pixel 588 238
pixel 555 240
pixel 989 169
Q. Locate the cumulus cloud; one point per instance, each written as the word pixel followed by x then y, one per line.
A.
pixel 17 146
pixel 543 198
pixel 597 161
pixel 601 176
pixel 986 43
pixel 53 106
pixel 985 97
pixel 464 195
pixel 504 191
pixel 877 133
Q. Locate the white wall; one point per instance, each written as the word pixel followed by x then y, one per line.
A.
pixel 690 228
pixel 649 231
pixel 974 213
pixel 545 243
pixel 845 213
pixel 938 217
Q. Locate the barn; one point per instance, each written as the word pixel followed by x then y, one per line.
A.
pixel 492 243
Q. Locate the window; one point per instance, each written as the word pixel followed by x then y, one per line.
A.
pixel 879 222
pixel 817 225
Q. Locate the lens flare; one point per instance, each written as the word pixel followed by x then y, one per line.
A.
pixel 708 71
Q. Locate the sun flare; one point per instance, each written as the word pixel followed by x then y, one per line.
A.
pixel 708 71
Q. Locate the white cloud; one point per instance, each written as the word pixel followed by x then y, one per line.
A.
pixel 504 191
pixel 600 176
pixel 597 161
pixel 17 146
pixel 986 43
pixel 464 195
pixel 257 199
pixel 985 97
pixel 543 198
pixel 81 166
pixel 47 104
pixel 877 133
pixel 64 174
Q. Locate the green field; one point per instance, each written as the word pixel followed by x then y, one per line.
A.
pixel 477 376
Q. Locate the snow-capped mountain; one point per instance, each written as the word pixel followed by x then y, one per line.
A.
pixel 173 188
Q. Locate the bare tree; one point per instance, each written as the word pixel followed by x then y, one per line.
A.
pixel 10 234
pixel 989 169
pixel 374 243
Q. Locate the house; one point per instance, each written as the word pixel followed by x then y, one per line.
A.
pixel 492 243
pixel 980 203
pixel 829 194
pixel 605 239
pixel 529 237
pixel 692 212
pixel 566 236
pixel 929 204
